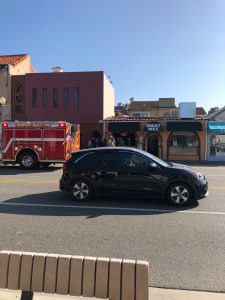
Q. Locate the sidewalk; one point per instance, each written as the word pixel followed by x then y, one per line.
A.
pixel 169 294
pixel 154 294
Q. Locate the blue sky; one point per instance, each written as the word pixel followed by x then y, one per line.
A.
pixel 149 48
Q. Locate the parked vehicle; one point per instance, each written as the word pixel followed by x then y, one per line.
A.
pixel 32 143
pixel 130 170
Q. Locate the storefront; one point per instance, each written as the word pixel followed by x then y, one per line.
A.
pixel 173 140
pixel 184 140
pixel 124 133
pixel 216 141
pixel 153 138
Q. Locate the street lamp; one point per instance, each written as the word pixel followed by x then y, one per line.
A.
pixel 2 104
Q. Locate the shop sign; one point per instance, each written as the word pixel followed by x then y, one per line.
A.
pixel 153 126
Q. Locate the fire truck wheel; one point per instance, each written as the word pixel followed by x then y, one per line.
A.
pixel 82 190
pixel 28 160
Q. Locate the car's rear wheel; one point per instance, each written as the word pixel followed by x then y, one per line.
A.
pixel 82 190
pixel 180 194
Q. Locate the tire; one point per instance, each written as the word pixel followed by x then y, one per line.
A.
pixel 28 160
pixel 82 190
pixel 180 194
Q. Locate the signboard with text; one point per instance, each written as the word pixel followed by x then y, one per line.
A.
pixel 153 126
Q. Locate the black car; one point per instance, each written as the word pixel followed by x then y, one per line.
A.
pixel 130 170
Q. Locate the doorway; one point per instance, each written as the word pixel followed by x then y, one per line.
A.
pixel 153 144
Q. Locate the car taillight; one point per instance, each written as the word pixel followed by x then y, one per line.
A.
pixel 65 166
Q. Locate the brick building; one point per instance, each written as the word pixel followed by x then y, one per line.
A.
pixel 77 97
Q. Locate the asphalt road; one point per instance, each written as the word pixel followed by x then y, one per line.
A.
pixel 185 248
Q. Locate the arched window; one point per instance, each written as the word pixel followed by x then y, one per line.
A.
pixel 183 142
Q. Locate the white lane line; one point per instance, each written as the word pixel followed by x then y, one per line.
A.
pixel 115 208
pixel 214 175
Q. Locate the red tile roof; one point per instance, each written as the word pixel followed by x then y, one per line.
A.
pixel 129 118
pixel 200 111
pixel 12 59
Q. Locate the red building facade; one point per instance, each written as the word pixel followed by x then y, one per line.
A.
pixel 76 97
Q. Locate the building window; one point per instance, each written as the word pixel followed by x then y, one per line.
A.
pixel 18 99
pixel 18 109
pixel 45 98
pixel 184 143
pixel 174 113
pixel 77 97
pixel 217 144
pixel 166 114
pixel 55 97
pixel 34 98
pixel 143 114
pixel 66 97
pixel 18 87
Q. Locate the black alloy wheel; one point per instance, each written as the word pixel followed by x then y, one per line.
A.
pixel 82 190
pixel 180 194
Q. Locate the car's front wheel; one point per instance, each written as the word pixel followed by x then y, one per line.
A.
pixel 180 194
pixel 82 190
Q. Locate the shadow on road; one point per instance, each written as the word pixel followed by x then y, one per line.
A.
pixel 61 204
pixel 15 170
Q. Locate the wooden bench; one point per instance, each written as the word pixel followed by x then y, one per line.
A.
pixel 103 278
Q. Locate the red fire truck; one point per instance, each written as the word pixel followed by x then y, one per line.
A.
pixel 30 144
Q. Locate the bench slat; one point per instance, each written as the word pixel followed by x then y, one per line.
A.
pixel 63 275
pixel 115 279
pixel 128 280
pixel 141 280
pixel 14 271
pixel 76 271
pixel 25 272
pixel 89 277
pixel 50 273
pixel 37 284
pixel 101 281
pixel 4 261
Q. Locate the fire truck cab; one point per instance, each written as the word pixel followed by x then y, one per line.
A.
pixel 30 144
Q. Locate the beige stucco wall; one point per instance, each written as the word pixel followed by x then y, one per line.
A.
pixel 108 98
pixel 154 112
pixel 5 83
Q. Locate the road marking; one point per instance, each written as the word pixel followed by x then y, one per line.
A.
pixel 28 181
pixel 216 187
pixel 214 175
pixel 148 210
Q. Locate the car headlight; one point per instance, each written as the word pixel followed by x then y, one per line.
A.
pixel 199 175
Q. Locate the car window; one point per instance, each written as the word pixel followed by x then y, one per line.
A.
pixel 109 161
pixel 86 161
pixel 133 160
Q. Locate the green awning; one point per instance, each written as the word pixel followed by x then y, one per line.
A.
pixel 216 127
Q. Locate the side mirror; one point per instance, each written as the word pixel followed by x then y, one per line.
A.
pixel 153 165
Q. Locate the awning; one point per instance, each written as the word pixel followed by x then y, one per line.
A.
pixel 123 126
pixel 184 126
pixel 216 127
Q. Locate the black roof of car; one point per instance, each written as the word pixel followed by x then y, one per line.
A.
pixel 103 149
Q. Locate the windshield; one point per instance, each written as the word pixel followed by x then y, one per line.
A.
pixel 154 158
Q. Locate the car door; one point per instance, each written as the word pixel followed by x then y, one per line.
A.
pixel 108 169
pixel 137 175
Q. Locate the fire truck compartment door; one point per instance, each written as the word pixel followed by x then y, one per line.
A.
pixel 7 144
pixel 54 146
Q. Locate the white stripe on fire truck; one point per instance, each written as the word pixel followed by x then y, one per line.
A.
pixel 31 140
